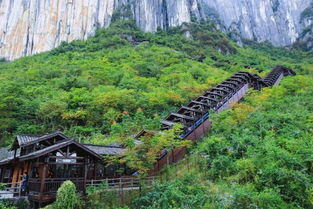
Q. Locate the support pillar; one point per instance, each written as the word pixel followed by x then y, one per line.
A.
pixel 43 179
pixel 85 173
pixel 2 174
pixel 17 173
pixel 94 169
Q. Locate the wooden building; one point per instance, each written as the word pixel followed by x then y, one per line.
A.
pixel 52 159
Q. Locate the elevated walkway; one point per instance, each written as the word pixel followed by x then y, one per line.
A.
pixel 195 116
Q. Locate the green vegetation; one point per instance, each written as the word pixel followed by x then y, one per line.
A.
pixel 21 203
pixel 104 88
pixel 5 205
pixel 2 186
pixel 258 155
pixel 119 81
pixel 66 197
pixel 143 156
pixel 99 197
pixel 186 192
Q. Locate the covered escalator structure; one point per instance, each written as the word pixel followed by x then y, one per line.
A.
pixel 195 116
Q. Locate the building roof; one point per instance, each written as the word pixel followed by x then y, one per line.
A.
pixel 115 144
pixel 22 140
pixel 57 146
pixel 6 155
pixel 4 152
pixel 143 133
pixel 27 139
pixel 105 149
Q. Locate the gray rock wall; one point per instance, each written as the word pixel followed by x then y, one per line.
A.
pixel 275 20
pixel 31 26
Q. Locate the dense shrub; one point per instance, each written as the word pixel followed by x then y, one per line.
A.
pixel 179 193
pixel 264 160
pixel 6 205
pixel 67 198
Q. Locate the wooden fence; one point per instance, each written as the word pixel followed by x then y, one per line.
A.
pixel 123 182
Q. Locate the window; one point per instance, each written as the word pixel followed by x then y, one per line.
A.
pixel 7 174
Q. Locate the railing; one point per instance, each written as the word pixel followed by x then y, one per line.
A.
pixel 279 79
pixel 235 97
pixel 34 186
pixel 196 124
pixel 217 108
pixel 11 190
pixel 123 182
pixel 51 185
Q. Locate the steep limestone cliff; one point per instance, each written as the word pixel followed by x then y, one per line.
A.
pixel 305 40
pixel 278 21
pixel 32 26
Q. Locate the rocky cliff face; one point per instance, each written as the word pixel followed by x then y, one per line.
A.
pixel 305 40
pixel 32 26
pixel 278 21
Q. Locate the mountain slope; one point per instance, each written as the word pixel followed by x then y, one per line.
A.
pixel 95 87
pixel 101 89
pixel 258 155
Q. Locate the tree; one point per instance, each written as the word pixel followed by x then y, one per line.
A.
pixel 143 156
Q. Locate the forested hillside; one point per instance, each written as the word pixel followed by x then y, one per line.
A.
pixel 104 87
pixel 258 155
pixel 107 84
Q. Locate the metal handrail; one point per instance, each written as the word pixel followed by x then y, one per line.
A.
pixel 206 115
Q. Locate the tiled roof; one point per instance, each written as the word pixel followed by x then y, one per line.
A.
pixel 144 132
pixel 55 147
pixel 46 150
pixel 6 155
pixel 26 139
pixel 115 144
pixel 3 153
pixel 105 149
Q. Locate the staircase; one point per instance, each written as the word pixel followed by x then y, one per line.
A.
pixel 195 116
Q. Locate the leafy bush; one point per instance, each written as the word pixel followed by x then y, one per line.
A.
pixel 179 193
pixel 67 198
pixel 22 203
pixel 100 197
pixel 259 159
pixel 6 205
pixel 2 186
